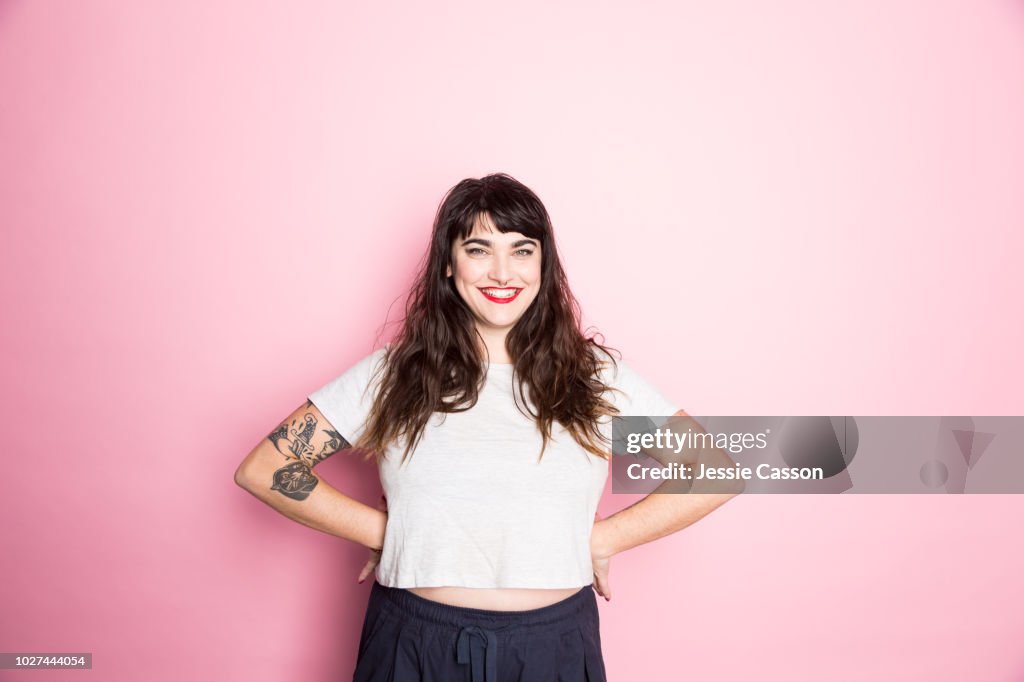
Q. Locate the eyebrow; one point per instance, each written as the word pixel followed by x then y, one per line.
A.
pixel 488 243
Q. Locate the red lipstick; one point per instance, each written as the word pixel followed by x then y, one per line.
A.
pixel 507 299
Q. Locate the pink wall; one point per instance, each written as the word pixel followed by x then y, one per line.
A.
pixel 771 208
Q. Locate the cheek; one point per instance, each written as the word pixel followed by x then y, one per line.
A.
pixel 470 270
pixel 533 274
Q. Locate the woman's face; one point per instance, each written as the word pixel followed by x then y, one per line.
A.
pixel 497 274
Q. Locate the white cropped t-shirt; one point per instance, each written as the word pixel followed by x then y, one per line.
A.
pixel 472 506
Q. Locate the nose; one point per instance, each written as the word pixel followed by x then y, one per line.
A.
pixel 500 270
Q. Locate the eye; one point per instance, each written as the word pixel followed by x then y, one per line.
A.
pixel 474 249
pixel 525 252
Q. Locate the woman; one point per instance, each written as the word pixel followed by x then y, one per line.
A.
pixel 489 417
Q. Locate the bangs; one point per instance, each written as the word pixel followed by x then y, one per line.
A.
pixel 505 219
pixel 495 202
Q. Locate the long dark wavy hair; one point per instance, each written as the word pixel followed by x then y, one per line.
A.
pixel 434 363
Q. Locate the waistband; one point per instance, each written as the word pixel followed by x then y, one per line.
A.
pixel 419 607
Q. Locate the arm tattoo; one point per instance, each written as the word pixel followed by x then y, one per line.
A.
pixel 295 442
pixel 294 480
pixel 336 442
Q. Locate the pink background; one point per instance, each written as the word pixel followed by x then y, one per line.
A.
pixel 770 208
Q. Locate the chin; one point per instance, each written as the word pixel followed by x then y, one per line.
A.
pixel 500 322
pixel 503 324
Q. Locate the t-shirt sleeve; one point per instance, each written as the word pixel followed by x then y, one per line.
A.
pixel 346 400
pixel 636 396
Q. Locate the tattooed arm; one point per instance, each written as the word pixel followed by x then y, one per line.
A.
pixel 279 471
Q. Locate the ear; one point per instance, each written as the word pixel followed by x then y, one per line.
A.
pixel 449 274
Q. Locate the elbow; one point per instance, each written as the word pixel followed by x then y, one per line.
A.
pixel 733 486
pixel 241 478
pixel 244 475
pixel 256 471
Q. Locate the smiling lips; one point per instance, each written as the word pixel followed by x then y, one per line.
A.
pixel 500 295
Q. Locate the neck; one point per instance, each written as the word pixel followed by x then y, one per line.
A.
pixel 494 343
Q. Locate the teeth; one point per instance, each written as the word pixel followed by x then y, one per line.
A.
pixel 500 293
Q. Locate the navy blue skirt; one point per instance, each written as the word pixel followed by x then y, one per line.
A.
pixel 407 638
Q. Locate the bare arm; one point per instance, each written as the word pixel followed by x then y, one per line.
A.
pixel 279 472
pixel 672 506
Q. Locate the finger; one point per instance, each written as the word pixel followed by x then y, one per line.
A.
pixel 602 581
pixel 367 569
pixel 601 586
